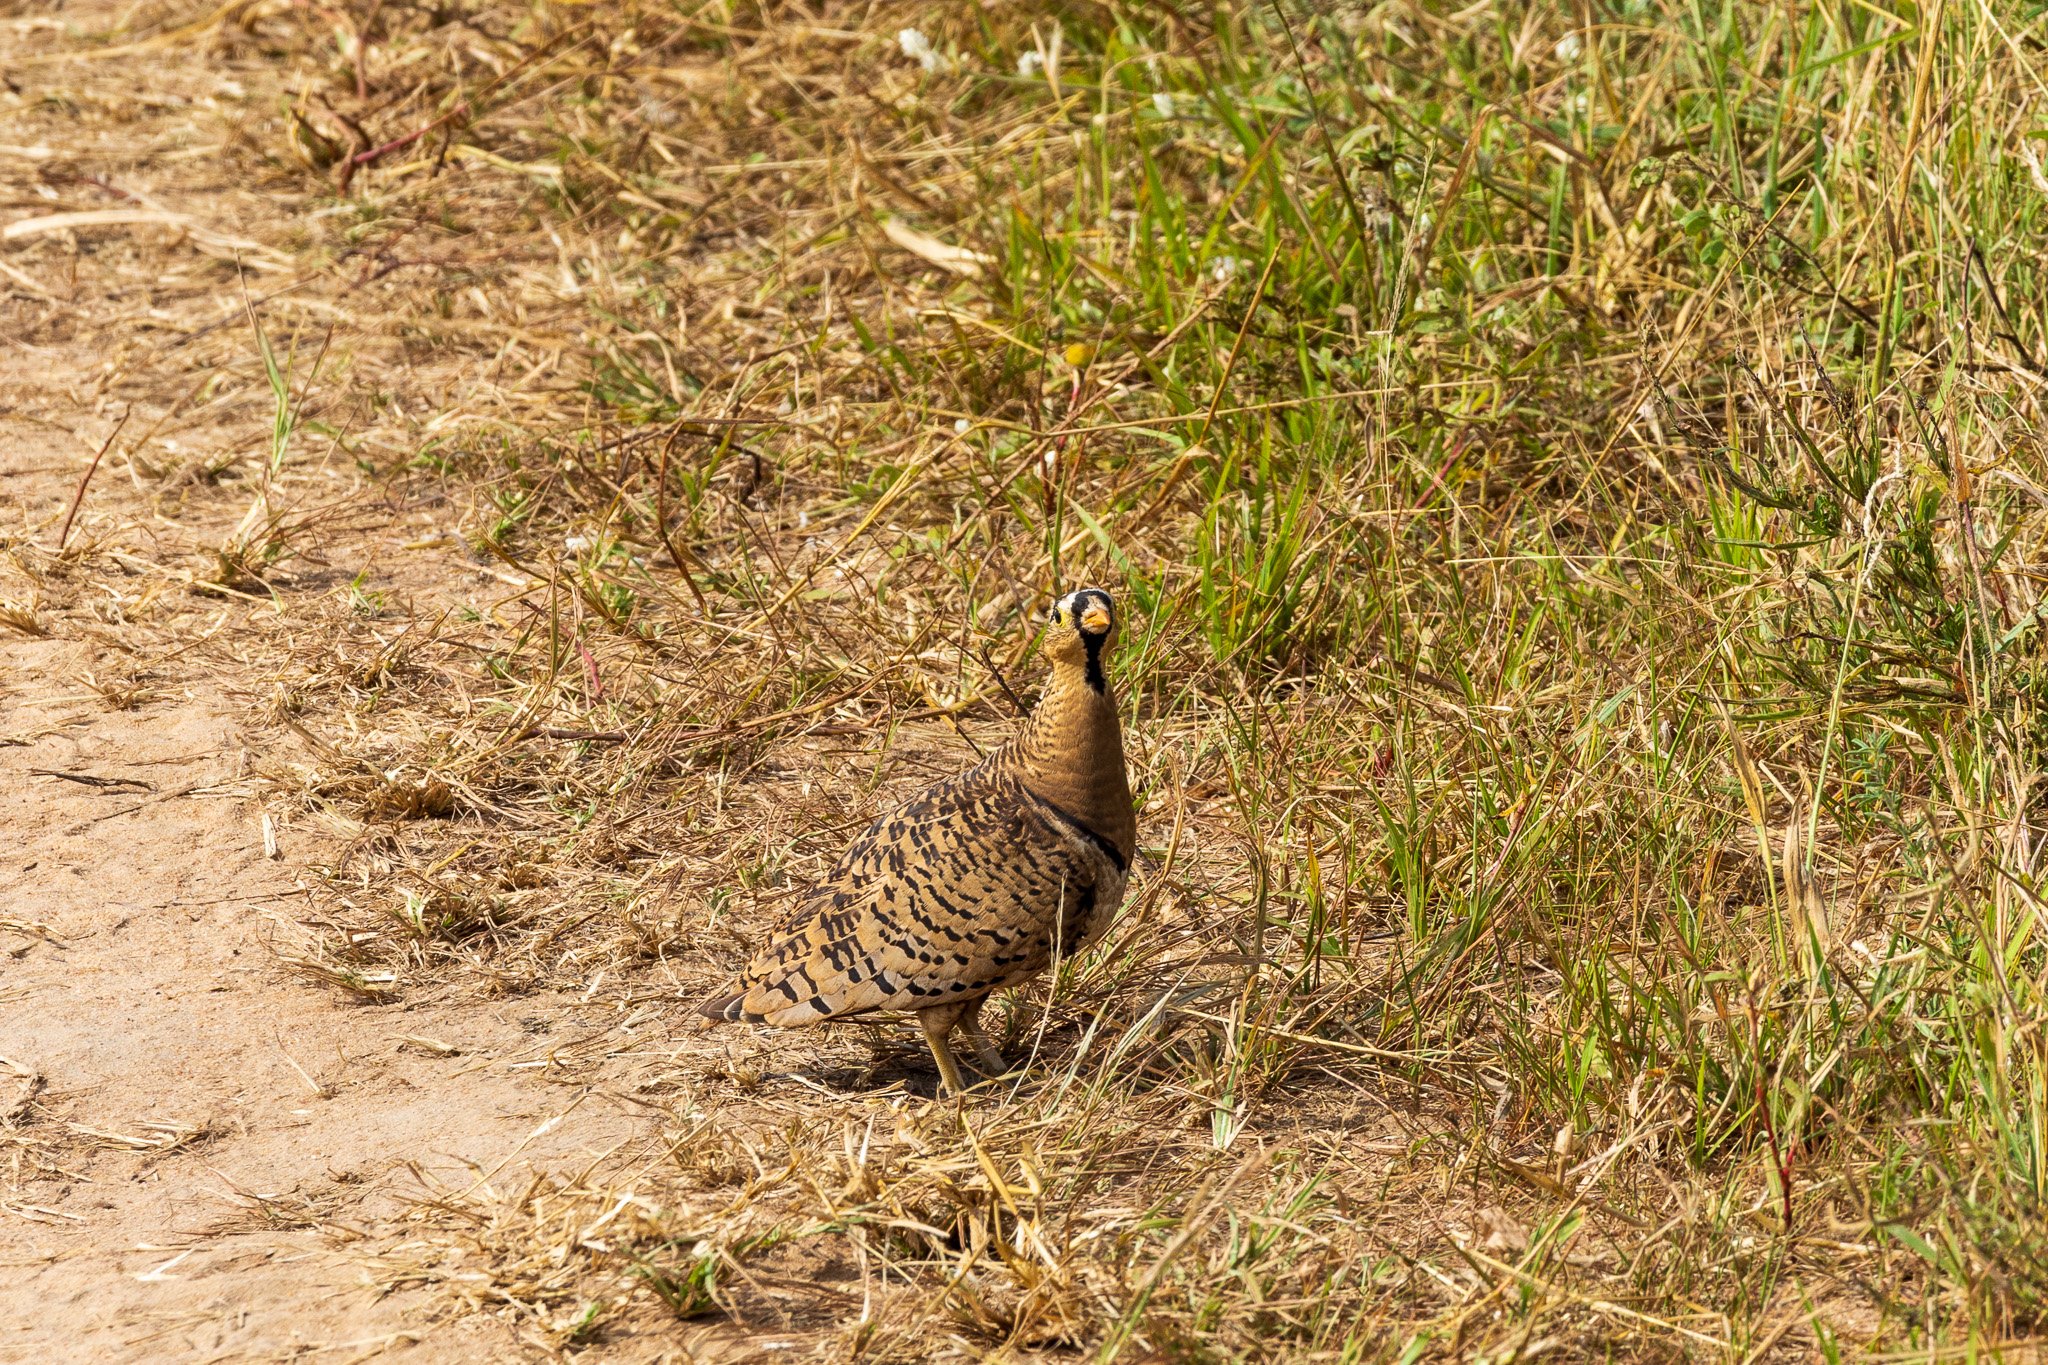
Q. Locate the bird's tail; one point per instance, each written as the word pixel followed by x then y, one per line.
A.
pixel 725 1009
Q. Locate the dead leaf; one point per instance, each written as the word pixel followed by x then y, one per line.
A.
pixel 1498 1232
pixel 957 259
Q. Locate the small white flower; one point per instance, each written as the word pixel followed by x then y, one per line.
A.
pixel 1162 104
pixel 1030 63
pixel 919 48
pixel 1223 267
pixel 1570 47
pixel 576 545
pixel 960 426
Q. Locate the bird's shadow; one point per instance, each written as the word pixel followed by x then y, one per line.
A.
pixel 910 1068
pixel 883 1074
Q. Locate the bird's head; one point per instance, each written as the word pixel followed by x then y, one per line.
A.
pixel 1080 628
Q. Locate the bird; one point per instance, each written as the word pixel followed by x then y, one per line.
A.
pixel 979 882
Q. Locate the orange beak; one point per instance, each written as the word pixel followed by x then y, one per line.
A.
pixel 1095 620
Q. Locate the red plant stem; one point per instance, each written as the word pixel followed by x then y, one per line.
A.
pixel 371 154
pixel 78 498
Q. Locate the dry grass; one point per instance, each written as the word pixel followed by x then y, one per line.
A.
pixel 24 1141
pixel 1575 478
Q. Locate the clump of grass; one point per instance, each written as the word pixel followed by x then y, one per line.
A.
pixel 1572 477
pixel 23 616
pixel 120 693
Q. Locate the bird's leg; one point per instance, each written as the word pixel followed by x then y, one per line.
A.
pixel 937 1022
pixel 985 1054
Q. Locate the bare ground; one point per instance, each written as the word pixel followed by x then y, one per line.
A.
pixel 197 1146
pixel 189 1124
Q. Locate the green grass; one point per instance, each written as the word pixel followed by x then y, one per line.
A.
pixel 1558 459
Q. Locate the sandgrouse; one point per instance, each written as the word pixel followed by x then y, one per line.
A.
pixel 980 882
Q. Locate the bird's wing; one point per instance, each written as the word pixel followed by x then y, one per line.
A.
pixel 963 890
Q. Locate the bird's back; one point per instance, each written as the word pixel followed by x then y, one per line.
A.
pixel 976 884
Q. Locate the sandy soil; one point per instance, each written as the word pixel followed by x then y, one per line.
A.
pixel 168 1083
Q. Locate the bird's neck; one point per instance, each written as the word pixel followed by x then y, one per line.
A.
pixel 1071 753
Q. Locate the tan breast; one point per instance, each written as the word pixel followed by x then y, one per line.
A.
pixel 1071 755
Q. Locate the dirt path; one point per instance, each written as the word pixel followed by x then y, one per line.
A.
pixel 197 1146
pixel 168 1085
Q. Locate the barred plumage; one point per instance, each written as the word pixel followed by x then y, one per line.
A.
pixel 980 882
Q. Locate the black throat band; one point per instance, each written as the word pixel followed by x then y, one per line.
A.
pixel 1097 679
